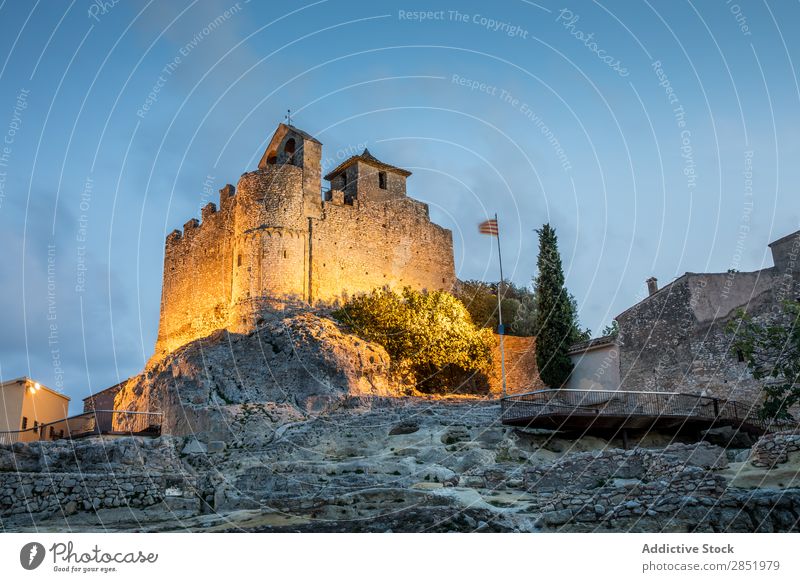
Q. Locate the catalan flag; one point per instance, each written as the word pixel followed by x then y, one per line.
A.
pixel 489 227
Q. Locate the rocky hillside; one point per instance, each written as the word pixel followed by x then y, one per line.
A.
pixel 403 465
pixel 293 365
pixel 299 427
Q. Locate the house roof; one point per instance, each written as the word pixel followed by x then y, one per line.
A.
pixel 592 344
pixel 302 133
pixel 649 297
pixel 25 380
pixel 278 135
pixel 795 234
pixel 367 158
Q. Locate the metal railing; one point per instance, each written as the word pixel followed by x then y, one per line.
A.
pixel 574 404
pixel 97 422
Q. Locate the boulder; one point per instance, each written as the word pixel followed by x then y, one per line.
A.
pixel 728 437
pixel 298 359
pixel 194 447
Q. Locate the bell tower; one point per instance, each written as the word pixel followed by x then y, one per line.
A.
pixel 295 147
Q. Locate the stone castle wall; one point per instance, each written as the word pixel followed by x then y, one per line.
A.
pixel 370 244
pixel 274 241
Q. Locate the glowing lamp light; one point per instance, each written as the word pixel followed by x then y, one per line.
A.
pixel 35 388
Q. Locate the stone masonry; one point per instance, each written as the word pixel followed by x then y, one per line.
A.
pixel 675 339
pixel 276 239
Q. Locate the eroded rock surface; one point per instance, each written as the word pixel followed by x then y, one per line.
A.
pixel 293 365
pixel 398 465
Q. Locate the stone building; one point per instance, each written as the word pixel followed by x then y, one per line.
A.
pixel 675 339
pixel 278 239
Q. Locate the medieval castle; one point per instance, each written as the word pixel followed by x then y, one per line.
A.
pixel 278 238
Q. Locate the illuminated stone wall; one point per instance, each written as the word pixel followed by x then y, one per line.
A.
pixel 274 241
pixel 371 244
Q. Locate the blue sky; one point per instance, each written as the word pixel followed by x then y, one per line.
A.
pixel 656 137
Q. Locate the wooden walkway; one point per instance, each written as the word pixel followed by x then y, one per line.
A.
pixel 606 410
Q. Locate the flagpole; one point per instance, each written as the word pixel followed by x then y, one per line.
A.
pixel 501 330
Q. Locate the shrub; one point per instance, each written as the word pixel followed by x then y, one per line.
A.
pixel 429 336
pixel 771 348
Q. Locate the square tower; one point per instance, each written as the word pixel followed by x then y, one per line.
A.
pixel 366 178
pixel 293 146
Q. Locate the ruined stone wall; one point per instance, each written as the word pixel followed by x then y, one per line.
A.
pixel 68 493
pixel 676 340
pixel 654 340
pixel 522 373
pixel 359 247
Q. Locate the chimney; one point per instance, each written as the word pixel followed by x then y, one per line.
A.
pixel 652 285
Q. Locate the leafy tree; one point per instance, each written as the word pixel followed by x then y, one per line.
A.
pixel 556 313
pixel 612 329
pixel 578 334
pixel 771 349
pixel 518 304
pixel 429 336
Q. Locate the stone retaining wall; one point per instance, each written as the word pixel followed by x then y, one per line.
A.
pixel 773 449
pixel 69 493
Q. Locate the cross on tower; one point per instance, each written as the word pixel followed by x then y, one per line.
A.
pixel 288 117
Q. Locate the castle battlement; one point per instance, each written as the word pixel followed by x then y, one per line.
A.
pixel 276 238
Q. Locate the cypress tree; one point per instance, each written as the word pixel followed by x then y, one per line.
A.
pixel 555 314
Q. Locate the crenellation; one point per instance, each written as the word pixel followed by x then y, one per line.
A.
pixel 226 193
pixel 208 211
pixel 174 237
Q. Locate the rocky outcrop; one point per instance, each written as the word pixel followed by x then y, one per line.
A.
pixel 408 464
pixel 293 365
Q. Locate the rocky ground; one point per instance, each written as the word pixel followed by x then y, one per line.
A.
pixel 299 426
pixel 416 465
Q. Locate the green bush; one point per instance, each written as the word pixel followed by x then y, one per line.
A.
pixel 429 336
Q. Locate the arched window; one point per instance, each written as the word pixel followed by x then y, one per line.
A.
pixel 288 149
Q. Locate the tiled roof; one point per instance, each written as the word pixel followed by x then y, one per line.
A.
pixel 367 158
